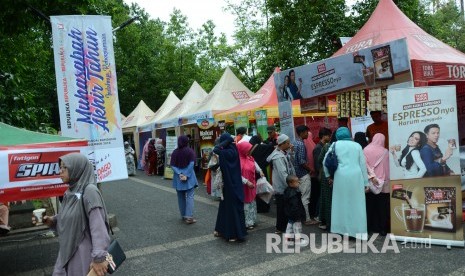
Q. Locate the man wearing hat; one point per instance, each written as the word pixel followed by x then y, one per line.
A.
pixel 272 136
pixel 282 167
pixel 302 169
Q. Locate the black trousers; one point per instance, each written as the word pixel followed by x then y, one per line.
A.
pixel 314 204
pixel 281 221
pixel 377 212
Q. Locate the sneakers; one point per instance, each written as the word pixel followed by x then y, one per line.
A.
pixel 190 220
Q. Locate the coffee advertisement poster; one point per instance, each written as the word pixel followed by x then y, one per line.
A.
pixel 207 133
pixel 171 145
pixel 427 208
pixel 424 157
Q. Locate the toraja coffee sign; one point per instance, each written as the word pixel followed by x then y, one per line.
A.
pixel 375 66
pixel 438 71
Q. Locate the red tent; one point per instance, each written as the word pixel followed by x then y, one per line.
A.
pixel 433 62
pixel 431 59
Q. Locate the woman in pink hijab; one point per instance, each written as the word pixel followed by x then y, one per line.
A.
pixel 377 159
pixel 248 169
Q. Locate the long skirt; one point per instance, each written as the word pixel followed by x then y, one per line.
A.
pixel 250 210
pixel 230 221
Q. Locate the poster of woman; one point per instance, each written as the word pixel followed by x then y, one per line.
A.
pixel 423 132
pixel 425 164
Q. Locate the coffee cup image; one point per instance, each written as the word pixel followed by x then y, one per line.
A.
pixel 38 214
pixel 440 221
pixel 452 143
pixel 413 217
pixel 369 76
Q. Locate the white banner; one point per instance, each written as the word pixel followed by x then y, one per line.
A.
pixel 286 120
pixel 87 89
pixel 380 65
pixel 413 110
pixel 426 200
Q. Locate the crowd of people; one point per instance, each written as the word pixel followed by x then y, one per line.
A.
pixel 339 203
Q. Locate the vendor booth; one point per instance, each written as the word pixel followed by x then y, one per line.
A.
pixel 139 116
pixel 390 66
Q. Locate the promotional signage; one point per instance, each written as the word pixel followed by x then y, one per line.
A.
pixel 241 121
pixel 32 171
pixel 376 66
pixel 426 199
pixel 286 120
pixel 171 145
pixel 87 90
pixel 262 123
pixel 207 135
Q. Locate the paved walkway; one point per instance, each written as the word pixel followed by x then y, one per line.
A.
pixel 158 243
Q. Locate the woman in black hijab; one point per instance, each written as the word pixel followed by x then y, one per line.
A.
pixel 230 221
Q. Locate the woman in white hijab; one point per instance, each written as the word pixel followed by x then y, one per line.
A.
pixel 82 223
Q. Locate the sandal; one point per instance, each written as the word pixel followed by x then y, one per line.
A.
pixel 190 220
pixel 216 234
pixel 232 240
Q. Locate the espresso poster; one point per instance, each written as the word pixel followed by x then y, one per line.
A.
pixel 427 208
pixel 424 157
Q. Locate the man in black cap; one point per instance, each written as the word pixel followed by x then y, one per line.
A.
pixel 272 136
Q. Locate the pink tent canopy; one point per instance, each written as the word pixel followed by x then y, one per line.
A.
pixel 431 59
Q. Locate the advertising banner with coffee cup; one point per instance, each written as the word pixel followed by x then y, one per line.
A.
pixel 376 66
pixel 426 200
pixel 207 133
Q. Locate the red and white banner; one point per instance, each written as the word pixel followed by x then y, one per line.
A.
pixel 87 89
pixel 32 171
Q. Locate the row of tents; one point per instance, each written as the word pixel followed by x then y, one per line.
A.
pixel 228 98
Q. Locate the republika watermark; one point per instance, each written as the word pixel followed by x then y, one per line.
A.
pixel 335 243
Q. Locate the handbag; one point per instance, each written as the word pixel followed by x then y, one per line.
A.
pixel 376 189
pixel 331 161
pixel 115 256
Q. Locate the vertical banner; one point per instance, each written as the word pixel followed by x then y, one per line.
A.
pixel 262 123
pixel 426 199
pixel 171 144
pixel 286 120
pixel 87 90
pixel 241 121
pixel 207 135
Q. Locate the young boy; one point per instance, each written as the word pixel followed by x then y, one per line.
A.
pixel 293 209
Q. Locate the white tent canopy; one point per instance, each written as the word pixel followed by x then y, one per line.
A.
pixel 190 102
pixel 140 115
pixel 169 104
pixel 227 93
